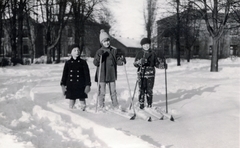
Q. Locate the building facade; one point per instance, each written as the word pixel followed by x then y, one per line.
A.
pixel 201 46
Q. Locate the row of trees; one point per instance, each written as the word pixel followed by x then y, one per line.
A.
pixel 53 15
pixel 215 13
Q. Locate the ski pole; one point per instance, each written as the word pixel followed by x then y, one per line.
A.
pixel 166 84
pixel 125 69
pixel 133 95
pixel 132 105
pixel 98 85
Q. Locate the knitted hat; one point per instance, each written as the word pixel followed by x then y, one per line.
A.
pixel 103 35
pixel 145 41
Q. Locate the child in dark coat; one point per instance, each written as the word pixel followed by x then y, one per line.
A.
pixel 76 79
pixel 111 57
pixel 146 61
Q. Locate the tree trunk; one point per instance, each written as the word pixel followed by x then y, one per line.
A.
pixel 14 29
pixel 20 36
pixel 214 60
pixel 178 35
pixel 58 52
pixel 1 30
pixel 49 58
pixel 188 55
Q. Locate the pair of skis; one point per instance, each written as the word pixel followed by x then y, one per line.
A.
pixel 151 114
pixel 147 114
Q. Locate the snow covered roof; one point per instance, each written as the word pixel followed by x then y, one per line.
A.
pixel 128 42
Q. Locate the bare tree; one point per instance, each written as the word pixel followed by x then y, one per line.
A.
pixel 20 18
pixel 177 28
pixel 12 30
pixel 53 14
pixel 149 16
pixel 82 11
pixel 33 29
pixel 190 28
pixel 215 22
pixel 178 34
pixel 3 6
pixel 236 11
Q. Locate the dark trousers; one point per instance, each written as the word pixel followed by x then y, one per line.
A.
pixel 146 88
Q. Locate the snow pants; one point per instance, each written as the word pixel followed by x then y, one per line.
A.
pixel 102 92
pixel 146 88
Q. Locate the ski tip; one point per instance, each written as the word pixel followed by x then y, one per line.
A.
pixel 133 117
pixel 171 119
pixel 162 118
pixel 149 119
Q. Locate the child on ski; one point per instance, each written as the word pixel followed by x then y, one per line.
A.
pixel 76 79
pixel 146 61
pixel 111 57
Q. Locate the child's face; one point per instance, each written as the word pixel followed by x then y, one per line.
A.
pixel 75 52
pixel 106 43
pixel 146 46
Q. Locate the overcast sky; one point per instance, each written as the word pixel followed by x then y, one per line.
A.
pixel 129 17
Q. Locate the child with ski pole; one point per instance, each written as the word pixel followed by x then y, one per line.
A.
pixel 110 57
pixel 76 81
pixel 146 61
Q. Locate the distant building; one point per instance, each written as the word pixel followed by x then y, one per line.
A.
pixel 131 46
pixel 91 45
pixel 35 28
pixel 202 46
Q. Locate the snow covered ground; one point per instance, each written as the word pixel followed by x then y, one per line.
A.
pixel 205 106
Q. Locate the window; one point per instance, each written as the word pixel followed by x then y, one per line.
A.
pixel 233 50
pixel 2 32
pixel 166 50
pixel 70 32
pixel 25 49
pixel 210 50
pixel 182 50
pixel 196 50
pixel 234 31
pixel 25 33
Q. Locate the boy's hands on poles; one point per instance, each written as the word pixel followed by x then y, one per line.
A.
pixel 141 62
pixel 162 64
pixel 138 62
pixel 63 89
pixel 103 54
pixel 121 60
pixel 165 65
pixel 87 89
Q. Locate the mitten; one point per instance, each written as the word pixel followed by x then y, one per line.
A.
pixel 63 89
pixel 101 52
pixel 87 89
pixel 166 66
pixel 121 60
pixel 144 62
pixel 104 56
pixel 138 62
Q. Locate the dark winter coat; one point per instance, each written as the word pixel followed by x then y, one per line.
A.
pixel 110 59
pixel 150 62
pixel 76 77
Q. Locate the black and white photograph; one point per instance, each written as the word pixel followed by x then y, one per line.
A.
pixel 120 74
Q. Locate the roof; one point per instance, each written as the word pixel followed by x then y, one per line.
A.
pixel 128 42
